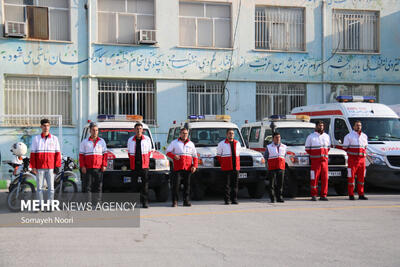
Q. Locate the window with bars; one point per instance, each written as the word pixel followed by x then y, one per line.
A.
pixel 205 24
pixel 280 28
pixel 119 21
pixel 45 19
pixel 205 98
pixel 278 98
pixel 128 97
pixel 352 89
pixel 37 96
pixel 355 31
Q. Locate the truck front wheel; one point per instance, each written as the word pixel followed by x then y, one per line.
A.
pixel 290 187
pixel 162 192
pixel 256 190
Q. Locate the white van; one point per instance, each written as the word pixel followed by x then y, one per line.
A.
pixel 206 131
pixel 379 122
pixel 294 131
pixel 116 130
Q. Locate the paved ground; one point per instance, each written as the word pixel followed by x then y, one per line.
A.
pixel 254 233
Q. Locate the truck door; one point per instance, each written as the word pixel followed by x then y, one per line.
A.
pixel 340 131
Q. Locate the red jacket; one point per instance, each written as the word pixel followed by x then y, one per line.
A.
pixel 318 145
pixel 187 153
pixel 356 145
pixel 45 152
pixel 276 158
pixel 145 146
pixel 224 155
pixel 93 153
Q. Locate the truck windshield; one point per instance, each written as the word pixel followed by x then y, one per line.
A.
pixel 294 136
pixel 379 129
pixel 211 136
pixel 118 138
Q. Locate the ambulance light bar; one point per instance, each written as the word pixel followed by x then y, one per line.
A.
pixel 119 118
pixel 355 98
pixel 289 118
pixel 226 118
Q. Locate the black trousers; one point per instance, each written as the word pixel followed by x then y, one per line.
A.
pixel 177 178
pixel 276 183
pixel 144 188
pixel 231 185
pixel 93 184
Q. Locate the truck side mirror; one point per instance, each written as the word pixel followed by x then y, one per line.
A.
pixel 157 145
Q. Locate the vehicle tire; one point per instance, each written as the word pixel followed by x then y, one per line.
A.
pixel 162 192
pixel 198 190
pixel 26 192
pixel 290 186
pixel 257 189
pixel 341 189
pixel 67 192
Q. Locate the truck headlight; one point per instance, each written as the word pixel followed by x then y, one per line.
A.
pixel 300 160
pixel 259 161
pixel 206 162
pixel 376 159
pixel 162 164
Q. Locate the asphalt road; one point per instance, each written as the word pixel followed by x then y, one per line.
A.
pixel 254 233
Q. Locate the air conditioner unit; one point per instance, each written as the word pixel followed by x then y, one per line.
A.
pixel 147 37
pixel 14 29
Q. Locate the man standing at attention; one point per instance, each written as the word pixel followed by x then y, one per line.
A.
pixel 317 146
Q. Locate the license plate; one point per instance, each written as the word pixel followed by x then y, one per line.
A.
pixel 242 175
pixel 335 173
pixel 127 180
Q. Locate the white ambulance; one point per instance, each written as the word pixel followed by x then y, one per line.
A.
pixel 294 131
pixel 206 131
pixel 379 122
pixel 116 130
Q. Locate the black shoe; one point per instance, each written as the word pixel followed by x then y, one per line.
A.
pixel 174 204
pixel 227 202
pixel 323 198
pixel 280 200
pixel 313 198
pixel 351 198
pixel 145 206
pixel 235 202
pixel 362 197
pixel 272 200
pixel 187 204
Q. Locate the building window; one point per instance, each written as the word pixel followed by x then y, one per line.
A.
pixel 352 89
pixel 278 98
pixel 45 19
pixel 37 96
pixel 356 31
pixel 280 28
pixel 205 98
pixel 119 22
pixel 204 24
pixel 128 97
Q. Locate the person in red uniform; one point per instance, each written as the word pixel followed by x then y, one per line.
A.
pixel 184 155
pixel 355 144
pixel 275 155
pixel 93 162
pixel 45 159
pixel 139 149
pixel 228 155
pixel 317 146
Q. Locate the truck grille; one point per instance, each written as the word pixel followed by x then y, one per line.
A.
pixel 394 160
pixel 118 163
pixel 245 161
pixel 336 160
